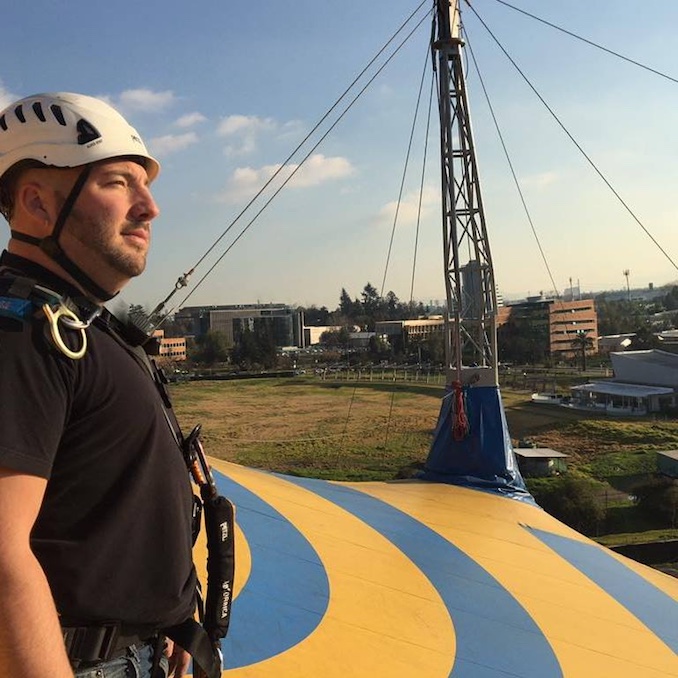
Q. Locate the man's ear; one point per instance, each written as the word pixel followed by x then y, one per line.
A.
pixel 34 200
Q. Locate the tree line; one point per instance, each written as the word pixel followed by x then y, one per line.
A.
pixel 254 346
pixel 518 341
pixel 364 311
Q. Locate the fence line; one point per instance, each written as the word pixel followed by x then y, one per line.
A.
pixel 387 374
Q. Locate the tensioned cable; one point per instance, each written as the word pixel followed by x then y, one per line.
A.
pixel 182 279
pixel 421 186
pixel 298 167
pixel 574 141
pixel 348 414
pixel 510 164
pixel 515 177
pixel 390 414
pixel 407 163
pixel 588 42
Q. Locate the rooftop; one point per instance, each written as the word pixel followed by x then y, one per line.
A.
pixel 652 356
pixel 621 389
pixel 538 453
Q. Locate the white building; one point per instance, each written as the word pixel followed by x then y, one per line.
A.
pixel 644 381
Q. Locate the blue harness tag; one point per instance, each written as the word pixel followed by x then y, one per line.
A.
pixel 19 309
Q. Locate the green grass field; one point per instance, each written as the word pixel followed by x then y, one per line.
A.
pixel 371 430
pixel 333 430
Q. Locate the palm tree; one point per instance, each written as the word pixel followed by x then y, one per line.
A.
pixel 582 342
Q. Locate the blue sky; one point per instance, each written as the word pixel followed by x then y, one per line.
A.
pixel 223 91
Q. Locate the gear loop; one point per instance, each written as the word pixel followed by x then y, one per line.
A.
pixel 65 314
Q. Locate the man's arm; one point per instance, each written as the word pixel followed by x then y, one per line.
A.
pixel 31 644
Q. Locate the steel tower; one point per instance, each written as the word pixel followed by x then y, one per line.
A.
pixel 471 444
pixel 469 276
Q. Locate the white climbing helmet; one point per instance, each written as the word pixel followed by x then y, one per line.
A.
pixel 62 129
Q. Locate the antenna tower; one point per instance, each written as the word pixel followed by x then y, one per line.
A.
pixel 628 288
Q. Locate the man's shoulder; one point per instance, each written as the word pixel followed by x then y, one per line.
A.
pixel 17 305
pixel 15 267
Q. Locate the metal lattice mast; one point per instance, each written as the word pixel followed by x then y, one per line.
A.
pixel 469 276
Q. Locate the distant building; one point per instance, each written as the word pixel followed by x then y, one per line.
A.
pixel 360 339
pixel 313 333
pixel 559 323
pixel 539 462
pixel 283 322
pixel 409 329
pixel 669 340
pixel 475 290
pixel 651 367
pixel 667 463
pixel 614 343
pixel 644 381
pixel 171 348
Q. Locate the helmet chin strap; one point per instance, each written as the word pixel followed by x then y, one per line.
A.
pixel 51 247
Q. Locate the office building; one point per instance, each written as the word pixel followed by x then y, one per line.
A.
pixel 282 322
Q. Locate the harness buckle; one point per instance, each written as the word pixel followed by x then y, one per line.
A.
pixel 86 644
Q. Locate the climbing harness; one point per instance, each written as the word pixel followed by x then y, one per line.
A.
pixel 25 297
pixel 200 640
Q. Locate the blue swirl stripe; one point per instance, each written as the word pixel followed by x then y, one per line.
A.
pixel 657 610
pixel 495 635
pixel 287 592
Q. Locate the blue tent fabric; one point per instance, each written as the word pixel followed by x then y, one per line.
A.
pixel 483 459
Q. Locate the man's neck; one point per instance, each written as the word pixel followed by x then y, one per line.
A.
pixel 36 257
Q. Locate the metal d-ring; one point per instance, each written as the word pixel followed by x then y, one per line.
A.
pixel 71 320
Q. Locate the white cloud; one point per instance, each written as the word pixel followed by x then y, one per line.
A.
pixel 6 97
pixel 190 119
pixel 171 143
pixel 318 169
pixel 243 131
pixel 540 180
pixel 243 124
pixel 144 100
pixel 292 128
pixel 409 207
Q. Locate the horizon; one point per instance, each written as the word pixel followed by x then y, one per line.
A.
pixel 436 302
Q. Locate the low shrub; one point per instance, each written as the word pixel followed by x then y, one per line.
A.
pixel 658 498
pixel 575 501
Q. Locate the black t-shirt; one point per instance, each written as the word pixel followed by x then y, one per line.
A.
pixel 114 531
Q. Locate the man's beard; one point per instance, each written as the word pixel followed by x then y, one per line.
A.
pixel 93 235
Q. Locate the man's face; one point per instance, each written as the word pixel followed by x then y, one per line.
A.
pixel 109 229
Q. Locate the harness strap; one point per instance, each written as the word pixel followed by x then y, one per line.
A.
pixel 51 247
pixel 58 310
pixel 193 638
pixel 95 644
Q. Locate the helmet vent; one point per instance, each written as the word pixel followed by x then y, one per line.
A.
pixel 86 132
pixel 37 109
pixel 19 112
pixel 58 114
pixel 3 123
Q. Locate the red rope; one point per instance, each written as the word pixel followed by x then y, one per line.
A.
pixel 460 426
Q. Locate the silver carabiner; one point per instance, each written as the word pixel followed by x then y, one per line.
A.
pixel 79 324
pixel 71 320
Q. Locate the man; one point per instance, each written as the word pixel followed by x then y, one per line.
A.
pixel 95 500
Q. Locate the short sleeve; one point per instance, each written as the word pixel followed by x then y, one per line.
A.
pixel 35 388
